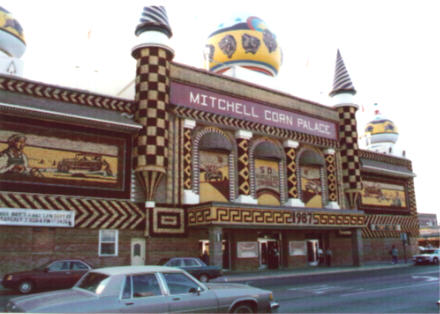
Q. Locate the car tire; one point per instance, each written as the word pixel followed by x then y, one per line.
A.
pixel 204 278
pixel 243 308
pixel 25 286
pixel 435 260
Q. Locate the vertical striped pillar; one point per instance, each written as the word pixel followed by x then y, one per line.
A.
pixel 290 150
pixel 153 56
pixel 348 140
pixel 244 191
pixel 330 166
pixel 152 97
pixel 189 196
pixel 342 94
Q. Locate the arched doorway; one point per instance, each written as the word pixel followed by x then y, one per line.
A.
pixel 266 173
pixel 214 158
pixel 311 167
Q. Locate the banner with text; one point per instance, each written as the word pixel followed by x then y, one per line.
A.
pixel 36 217
pixel 193 97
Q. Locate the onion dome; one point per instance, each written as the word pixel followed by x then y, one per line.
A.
pixel 342 82
pixel 245 42
pixel 11 35
pixel 154 18
pixel 381 130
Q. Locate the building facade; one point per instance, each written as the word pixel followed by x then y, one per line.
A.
pixel 197 161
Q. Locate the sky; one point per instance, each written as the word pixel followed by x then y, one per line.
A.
pixel 390 48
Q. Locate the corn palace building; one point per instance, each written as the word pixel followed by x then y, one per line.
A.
pixel 198 161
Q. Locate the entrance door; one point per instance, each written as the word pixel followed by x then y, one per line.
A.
pixel 138 251
pixel 263 253
pixel 269 253
pixel 312 252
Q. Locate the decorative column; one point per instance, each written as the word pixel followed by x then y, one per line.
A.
pixel 215 246
pixel 290 149
pixel 244 192
pixel 357 247
pixel 153 56
pixel 189 197
pixel 342 94
pixel 330 165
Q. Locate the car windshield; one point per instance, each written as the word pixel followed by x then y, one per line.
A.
pixel 93 282
pixel 428 251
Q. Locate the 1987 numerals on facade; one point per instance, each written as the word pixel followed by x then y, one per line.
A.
pixel 304 218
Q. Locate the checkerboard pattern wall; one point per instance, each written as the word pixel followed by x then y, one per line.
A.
pixel 292 180
pixel 331 177
pixel 152 97
pixel 243 166
pixel 351 170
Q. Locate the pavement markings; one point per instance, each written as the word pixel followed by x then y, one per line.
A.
pixel 426 278
pixel 387 289
pixel 321 289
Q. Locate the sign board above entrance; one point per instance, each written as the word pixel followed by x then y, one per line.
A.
pixel 201 99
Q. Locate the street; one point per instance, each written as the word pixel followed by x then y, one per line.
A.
pixel 403 290
pixel 413 289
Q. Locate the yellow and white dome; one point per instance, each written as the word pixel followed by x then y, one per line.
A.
pixel 245 42
pixel 381 130
pixel 11 35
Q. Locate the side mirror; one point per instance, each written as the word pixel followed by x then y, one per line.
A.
pixel 195 290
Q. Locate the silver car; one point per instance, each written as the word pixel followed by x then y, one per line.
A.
pixel 141 289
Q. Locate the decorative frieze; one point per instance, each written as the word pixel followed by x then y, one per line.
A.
pixel 37 89
pixel 209 215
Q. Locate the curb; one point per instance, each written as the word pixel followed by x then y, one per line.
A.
pixel 241 277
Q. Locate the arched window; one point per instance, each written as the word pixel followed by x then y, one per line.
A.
pixel 266 167
pixel 311 173
pixel 213 176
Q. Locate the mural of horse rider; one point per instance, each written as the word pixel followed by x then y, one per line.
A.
pixel 14 160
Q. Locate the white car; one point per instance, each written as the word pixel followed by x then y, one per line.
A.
pixel 429 256
pixel 146 289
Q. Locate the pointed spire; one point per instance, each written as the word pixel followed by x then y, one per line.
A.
pixel 342 82
pixel 154 18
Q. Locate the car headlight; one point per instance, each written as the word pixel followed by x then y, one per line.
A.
pixel 271 297
pixel 9 277
pixel 11 307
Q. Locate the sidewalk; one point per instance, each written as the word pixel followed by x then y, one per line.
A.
pixel 232 276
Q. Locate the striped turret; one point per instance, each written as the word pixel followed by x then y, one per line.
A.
pixel 153 56
pixel 342 82
pixel 342 94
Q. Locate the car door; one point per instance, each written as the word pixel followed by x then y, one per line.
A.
pixel 77 269
pixel 192 266
pixel 142 294
pixel 186 295
pixel 55 276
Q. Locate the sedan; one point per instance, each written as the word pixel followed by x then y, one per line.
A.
pixel 195 267
pixel 58 274
pixel 427 257
pixel 142 289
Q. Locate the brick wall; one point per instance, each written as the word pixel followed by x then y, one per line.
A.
pixel 161 247
pixel 341 248
pixel 378 249
pixel 243 263
pixel 296 261
pixel 24 248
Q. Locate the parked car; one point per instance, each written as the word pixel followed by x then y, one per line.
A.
pixel 57 274
pixel 195 266
pixel 427 256
pixel 142 289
